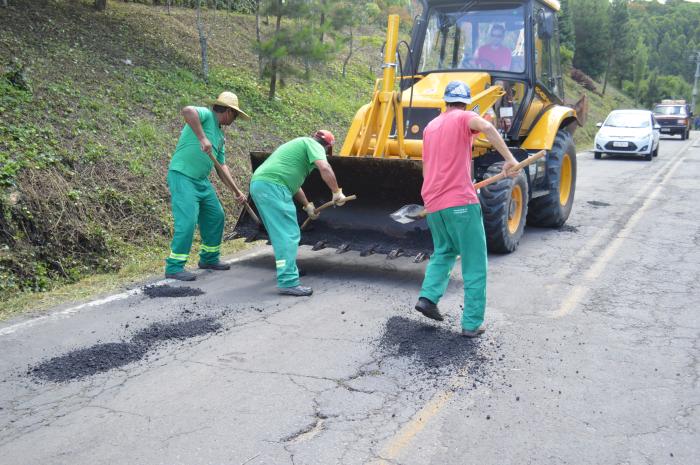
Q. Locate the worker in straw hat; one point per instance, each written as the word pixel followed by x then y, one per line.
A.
pixel 193 198
pixel 272 188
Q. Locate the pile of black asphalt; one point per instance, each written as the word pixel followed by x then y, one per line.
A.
pixel 437 349
pixel 102 357
pixel 166 290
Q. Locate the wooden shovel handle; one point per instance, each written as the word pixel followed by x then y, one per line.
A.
pixel 501 175
pixel 324 206
pixel 518 167
pixel 231 184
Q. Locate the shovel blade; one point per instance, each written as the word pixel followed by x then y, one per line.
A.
pixel 407 213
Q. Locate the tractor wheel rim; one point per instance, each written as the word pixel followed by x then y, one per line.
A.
pixel 515 213
pixel 565 179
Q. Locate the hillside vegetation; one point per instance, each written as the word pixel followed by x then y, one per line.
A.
pixel 90 115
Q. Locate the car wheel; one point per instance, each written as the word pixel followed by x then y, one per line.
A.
pixel 656 151
pixel 648 156
pixel 597 155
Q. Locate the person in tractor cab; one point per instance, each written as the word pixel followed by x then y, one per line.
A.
pixel 272 187
pixel 454 212
pixel 193 198
pixel 494 55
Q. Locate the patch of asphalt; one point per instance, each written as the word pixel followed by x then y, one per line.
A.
pixel 98 358
pixel 166 290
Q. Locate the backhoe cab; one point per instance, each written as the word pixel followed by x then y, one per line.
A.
pixel 508 53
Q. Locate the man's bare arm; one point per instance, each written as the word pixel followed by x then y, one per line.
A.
pixel 327 175
pixel 480 124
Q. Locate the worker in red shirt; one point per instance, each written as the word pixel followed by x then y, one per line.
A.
pixel 494 55
pixel 454 213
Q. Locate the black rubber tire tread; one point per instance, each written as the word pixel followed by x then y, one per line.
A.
pixel 546 211
pixel 495 199
pixel 597 155
pixel 648 156
pixel 656 151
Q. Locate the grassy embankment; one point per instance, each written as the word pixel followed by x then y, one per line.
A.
pixel 84 150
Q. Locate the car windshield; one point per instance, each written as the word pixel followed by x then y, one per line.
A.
pixel 628 120
pixel 670 110
pixel 486 37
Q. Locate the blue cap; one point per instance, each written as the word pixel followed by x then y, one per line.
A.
pixel 457 91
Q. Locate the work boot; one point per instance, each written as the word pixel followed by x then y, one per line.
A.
pixel 218 266
pixel 181 276
pixel 477 332
pixel 429 309
pixel 296 291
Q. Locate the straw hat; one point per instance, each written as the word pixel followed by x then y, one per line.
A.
pixel 230 100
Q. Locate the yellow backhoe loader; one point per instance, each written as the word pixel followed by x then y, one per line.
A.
pixel 508 54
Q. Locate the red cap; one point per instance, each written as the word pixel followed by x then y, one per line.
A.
pixel 326 136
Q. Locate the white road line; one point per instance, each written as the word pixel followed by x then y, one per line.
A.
pixel 57 315
pixel 593 273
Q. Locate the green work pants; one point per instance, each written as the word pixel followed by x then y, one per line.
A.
pixel 194 202
pixel 458 231
pixel 279 215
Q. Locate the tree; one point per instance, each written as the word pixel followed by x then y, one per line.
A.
pixel 567 36
pixel 294 40
pixel 591 27
pixel 202 41
pixel 618 54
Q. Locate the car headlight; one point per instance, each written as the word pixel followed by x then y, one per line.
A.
pixel 681 121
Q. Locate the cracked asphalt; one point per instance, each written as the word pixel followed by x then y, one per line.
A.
pixel 591 353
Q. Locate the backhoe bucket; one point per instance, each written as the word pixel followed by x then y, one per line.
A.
pixel 381 185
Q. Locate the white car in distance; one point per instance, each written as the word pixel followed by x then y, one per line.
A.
pixel 628 132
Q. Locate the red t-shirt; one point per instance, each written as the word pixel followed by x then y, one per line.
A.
pixel 499 56
pixel 447 161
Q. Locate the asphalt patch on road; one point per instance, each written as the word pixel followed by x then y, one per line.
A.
pixel 568 228
pixel 159 332
pixel 435 349
pixel 88 361
pixel 596 203
pixel 166 290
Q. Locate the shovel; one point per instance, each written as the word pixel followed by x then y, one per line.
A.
pixel 231 184
pixel 348 198
pixel 413 212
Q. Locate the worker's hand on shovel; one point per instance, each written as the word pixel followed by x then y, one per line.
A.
pixel 205 145
pixel 242 198
pixel 339 198
pixel 508 169
pixel 310 210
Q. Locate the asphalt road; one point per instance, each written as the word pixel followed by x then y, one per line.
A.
pixel 591 354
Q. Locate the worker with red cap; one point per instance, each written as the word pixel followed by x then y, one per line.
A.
pixel 272 188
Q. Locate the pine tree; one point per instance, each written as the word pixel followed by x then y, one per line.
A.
pixel 590 19
pixel 566 27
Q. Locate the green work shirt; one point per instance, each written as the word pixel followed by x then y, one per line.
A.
pixel 291 163
pixel 188 158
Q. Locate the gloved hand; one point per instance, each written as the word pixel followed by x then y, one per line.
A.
pixel 310 210
pixel 339 198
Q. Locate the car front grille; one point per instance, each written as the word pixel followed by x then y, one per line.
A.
pixel 631 147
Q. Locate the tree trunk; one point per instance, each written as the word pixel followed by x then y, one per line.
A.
pixel 169 2
pixel 607 72
pixel 202 41
pixel 100 5
pixel 273 66
pixel 323 17
pixel 347 58
pixel 257 38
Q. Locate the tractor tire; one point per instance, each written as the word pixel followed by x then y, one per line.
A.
pixel 553 209
pixel 504 206
pixel 597 155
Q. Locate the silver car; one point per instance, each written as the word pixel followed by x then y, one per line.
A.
pixel 628 132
